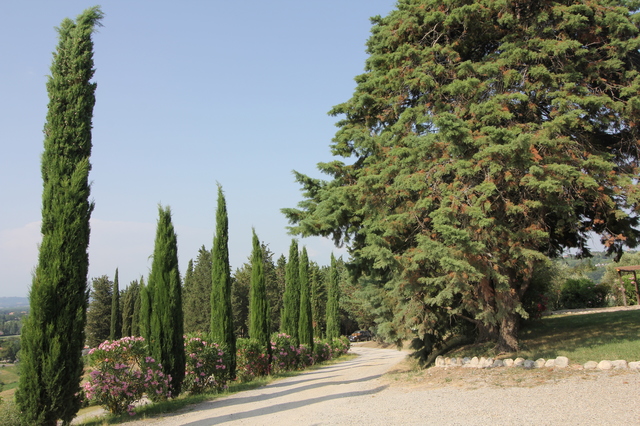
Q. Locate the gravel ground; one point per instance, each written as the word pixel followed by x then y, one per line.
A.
pixel 358 392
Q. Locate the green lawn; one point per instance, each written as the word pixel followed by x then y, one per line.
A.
pixel 581 338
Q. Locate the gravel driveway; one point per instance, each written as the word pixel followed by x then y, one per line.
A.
pixel 355 393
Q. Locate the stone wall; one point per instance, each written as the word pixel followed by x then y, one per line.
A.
pixel 559 362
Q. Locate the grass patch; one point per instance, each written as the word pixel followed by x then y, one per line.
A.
pixel 8 376
pixel 183 401
pixel 581 338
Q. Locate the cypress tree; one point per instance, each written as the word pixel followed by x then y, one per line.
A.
pixel 115 332
pixel 129 298
pixel 258 305
pixel 197 294
pixel 291 308
pixel 135 318
pixel 305 323
pixel 333 319
pixel 144 312
pixel 166 326
pixel 53 334
pixel 99 311
pixel 221 309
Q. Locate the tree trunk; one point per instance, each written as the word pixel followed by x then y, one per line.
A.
pixel 508 335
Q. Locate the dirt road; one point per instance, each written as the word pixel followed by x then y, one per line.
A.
pixel 355 393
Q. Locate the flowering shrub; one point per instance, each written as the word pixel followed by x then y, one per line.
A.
pixel 306 356
pixel 285 353
pixel 123 373
pixel 205 369
pixel 252 360
pixel 339 346
pixel 321 351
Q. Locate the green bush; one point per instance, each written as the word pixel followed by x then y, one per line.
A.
pixel 579 293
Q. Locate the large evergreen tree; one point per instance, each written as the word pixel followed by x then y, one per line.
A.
pixel 99 311
pixel 484 136
pixel 318 298
pixel 305 321
pixel 166 340
pixel 333 302
pixel 115 331
pixel 53 334
pixel 240 289
pixel 275 287
pixel 221 309
pixel 291 303
pixel 258 304
pixel 137 306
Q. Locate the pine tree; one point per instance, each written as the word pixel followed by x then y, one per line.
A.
pixel 166 323
pixel 291 308
pixel 221 309
pixel 333 315
pixel 305 323
pixel 115 331
pixel 258 304
pixel 482 138
pixel 99 311
pixel 53 334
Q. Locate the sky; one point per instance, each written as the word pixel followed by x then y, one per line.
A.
pixel 190 94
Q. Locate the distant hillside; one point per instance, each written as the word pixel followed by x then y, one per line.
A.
pixel 14 302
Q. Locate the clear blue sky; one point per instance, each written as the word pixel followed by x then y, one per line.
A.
pixel 189 94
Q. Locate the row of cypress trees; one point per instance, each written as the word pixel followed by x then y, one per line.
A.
pixel 53 335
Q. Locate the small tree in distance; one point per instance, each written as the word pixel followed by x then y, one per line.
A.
pixel 305 323
pixel 115 331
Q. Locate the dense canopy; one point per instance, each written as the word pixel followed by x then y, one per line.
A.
pixel 484 137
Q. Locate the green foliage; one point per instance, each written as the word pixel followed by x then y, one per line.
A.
pixel 115 331
pixel 482 138
pixel 240 289
pixel 305 322
pixel 166 342
pixel 291 303
pixel 197 294
pixel 582 293
pixel 221 309
pixel 318 298
pixel 99 311
pixel 612 279
pixel 258 304
pixel 53 335
pixel 130 298
pixel 333 301
pixel 275 277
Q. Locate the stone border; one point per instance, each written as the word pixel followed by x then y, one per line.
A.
pixel 559 362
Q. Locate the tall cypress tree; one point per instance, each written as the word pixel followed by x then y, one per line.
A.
pixel 333 319
pixel 166 326
pixel 99 311
pixel 221 309
pixel 144 312
pixel 129 299
pixel 291 308
pixel 258 305
pixel 137 306
pixel 53 334
pixel 115 332
pixel 305 323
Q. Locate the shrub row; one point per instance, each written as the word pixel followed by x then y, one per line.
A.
pixel 122 372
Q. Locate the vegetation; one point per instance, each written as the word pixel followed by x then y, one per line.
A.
pixel 291 303
pixel 333 322
pixel 197 293
pixel 115 330
pixel 99 311
pixel 305 322
pixel 259 305
pixel 221 309
pixel 482 138
pixel 166 342
pixel 53 334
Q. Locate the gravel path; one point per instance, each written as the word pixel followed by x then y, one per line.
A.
pixel 354 392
